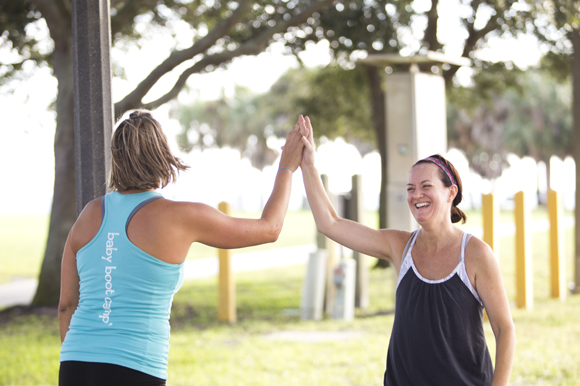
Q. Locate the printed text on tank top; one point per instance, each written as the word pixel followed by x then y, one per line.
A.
pixel 408 263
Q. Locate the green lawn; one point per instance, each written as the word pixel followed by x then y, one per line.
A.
pixel 206 352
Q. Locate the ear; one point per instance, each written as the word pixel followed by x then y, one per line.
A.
pixel 452 193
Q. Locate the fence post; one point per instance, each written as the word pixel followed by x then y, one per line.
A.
pixel 331 257
pixel 356 213
pixel 557 277
pixel 227 289
pixel 490 218
pixel 524 284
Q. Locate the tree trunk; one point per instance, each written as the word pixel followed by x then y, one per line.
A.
pixel 63 211
pixel 378 100
pixel 576 150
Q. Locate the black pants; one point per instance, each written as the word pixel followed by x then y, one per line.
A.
pixel 76 373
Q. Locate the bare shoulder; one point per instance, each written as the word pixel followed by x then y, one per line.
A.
pixel 479 255
pixel 87 225
pixel 184 209
pixel 397 240
pixel 182 214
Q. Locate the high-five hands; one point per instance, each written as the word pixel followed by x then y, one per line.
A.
pixel 293 149
pixel 307 140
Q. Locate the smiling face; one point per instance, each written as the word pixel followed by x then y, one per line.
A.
pixel 428 199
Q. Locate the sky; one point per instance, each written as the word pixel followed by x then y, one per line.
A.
pixel 27 132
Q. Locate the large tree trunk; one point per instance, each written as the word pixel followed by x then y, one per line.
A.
pixel 378 106
pixel 63 212
pixel 576 149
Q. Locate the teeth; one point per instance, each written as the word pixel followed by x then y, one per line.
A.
pixel 421 205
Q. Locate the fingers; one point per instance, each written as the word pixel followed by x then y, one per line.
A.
pixel 309 129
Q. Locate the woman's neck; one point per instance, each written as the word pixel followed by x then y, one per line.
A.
pixel 436 236
pixel 133 191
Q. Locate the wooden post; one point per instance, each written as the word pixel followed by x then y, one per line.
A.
pixel 331 262
pixel 227 289
pixel 524 284
pixel 356 213
pixel 557 271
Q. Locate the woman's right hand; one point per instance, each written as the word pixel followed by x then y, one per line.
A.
pixel 292 150
pixel 308 141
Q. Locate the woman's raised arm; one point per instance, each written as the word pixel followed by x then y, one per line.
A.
pixel 382 244
pixel 209 226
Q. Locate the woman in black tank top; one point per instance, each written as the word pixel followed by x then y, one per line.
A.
pixel 446 279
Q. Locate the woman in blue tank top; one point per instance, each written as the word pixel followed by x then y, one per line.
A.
pixel 445 280
pixel 123 259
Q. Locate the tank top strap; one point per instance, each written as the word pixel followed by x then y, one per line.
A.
pixel 462 270
pixel 464 241
pixel 120 208
pixel 407 260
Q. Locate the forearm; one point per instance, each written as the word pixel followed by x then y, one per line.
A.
pixel 505 348
pixel 277 205
pixel 320 205
pixel 64 317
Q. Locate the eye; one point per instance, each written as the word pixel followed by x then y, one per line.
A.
pixel 410 189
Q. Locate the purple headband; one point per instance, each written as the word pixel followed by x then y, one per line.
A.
pixel 438 162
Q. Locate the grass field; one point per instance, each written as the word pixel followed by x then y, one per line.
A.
pixel 255 350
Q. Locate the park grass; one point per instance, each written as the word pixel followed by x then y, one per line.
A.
pixel 22 244
pixel 206 352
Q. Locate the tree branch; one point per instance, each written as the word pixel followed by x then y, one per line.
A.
pixel 470 42
pixel 133 99
pixel 251 47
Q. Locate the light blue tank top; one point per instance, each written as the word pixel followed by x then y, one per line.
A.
pixel 125 296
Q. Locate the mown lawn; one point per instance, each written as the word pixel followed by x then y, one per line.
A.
pixel 254 351
pixel 206 352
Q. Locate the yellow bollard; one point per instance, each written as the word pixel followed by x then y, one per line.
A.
pixel 557 272
pixel 226 286
pixel 490 219
pixel 524 284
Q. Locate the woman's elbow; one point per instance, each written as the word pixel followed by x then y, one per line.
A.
pixel 65 307
pixel 325 227
pixel 272 234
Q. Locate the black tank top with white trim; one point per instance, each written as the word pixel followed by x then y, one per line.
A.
pixel 437 336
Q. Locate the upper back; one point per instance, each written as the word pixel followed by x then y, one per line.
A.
pixel 147 219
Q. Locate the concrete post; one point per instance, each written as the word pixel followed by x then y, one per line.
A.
pixel 93 107
pixel 312 299
pixel 416 123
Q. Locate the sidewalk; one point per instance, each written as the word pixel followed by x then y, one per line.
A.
pixel 20 292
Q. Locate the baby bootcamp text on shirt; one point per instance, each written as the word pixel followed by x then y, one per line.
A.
pixel 109 291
